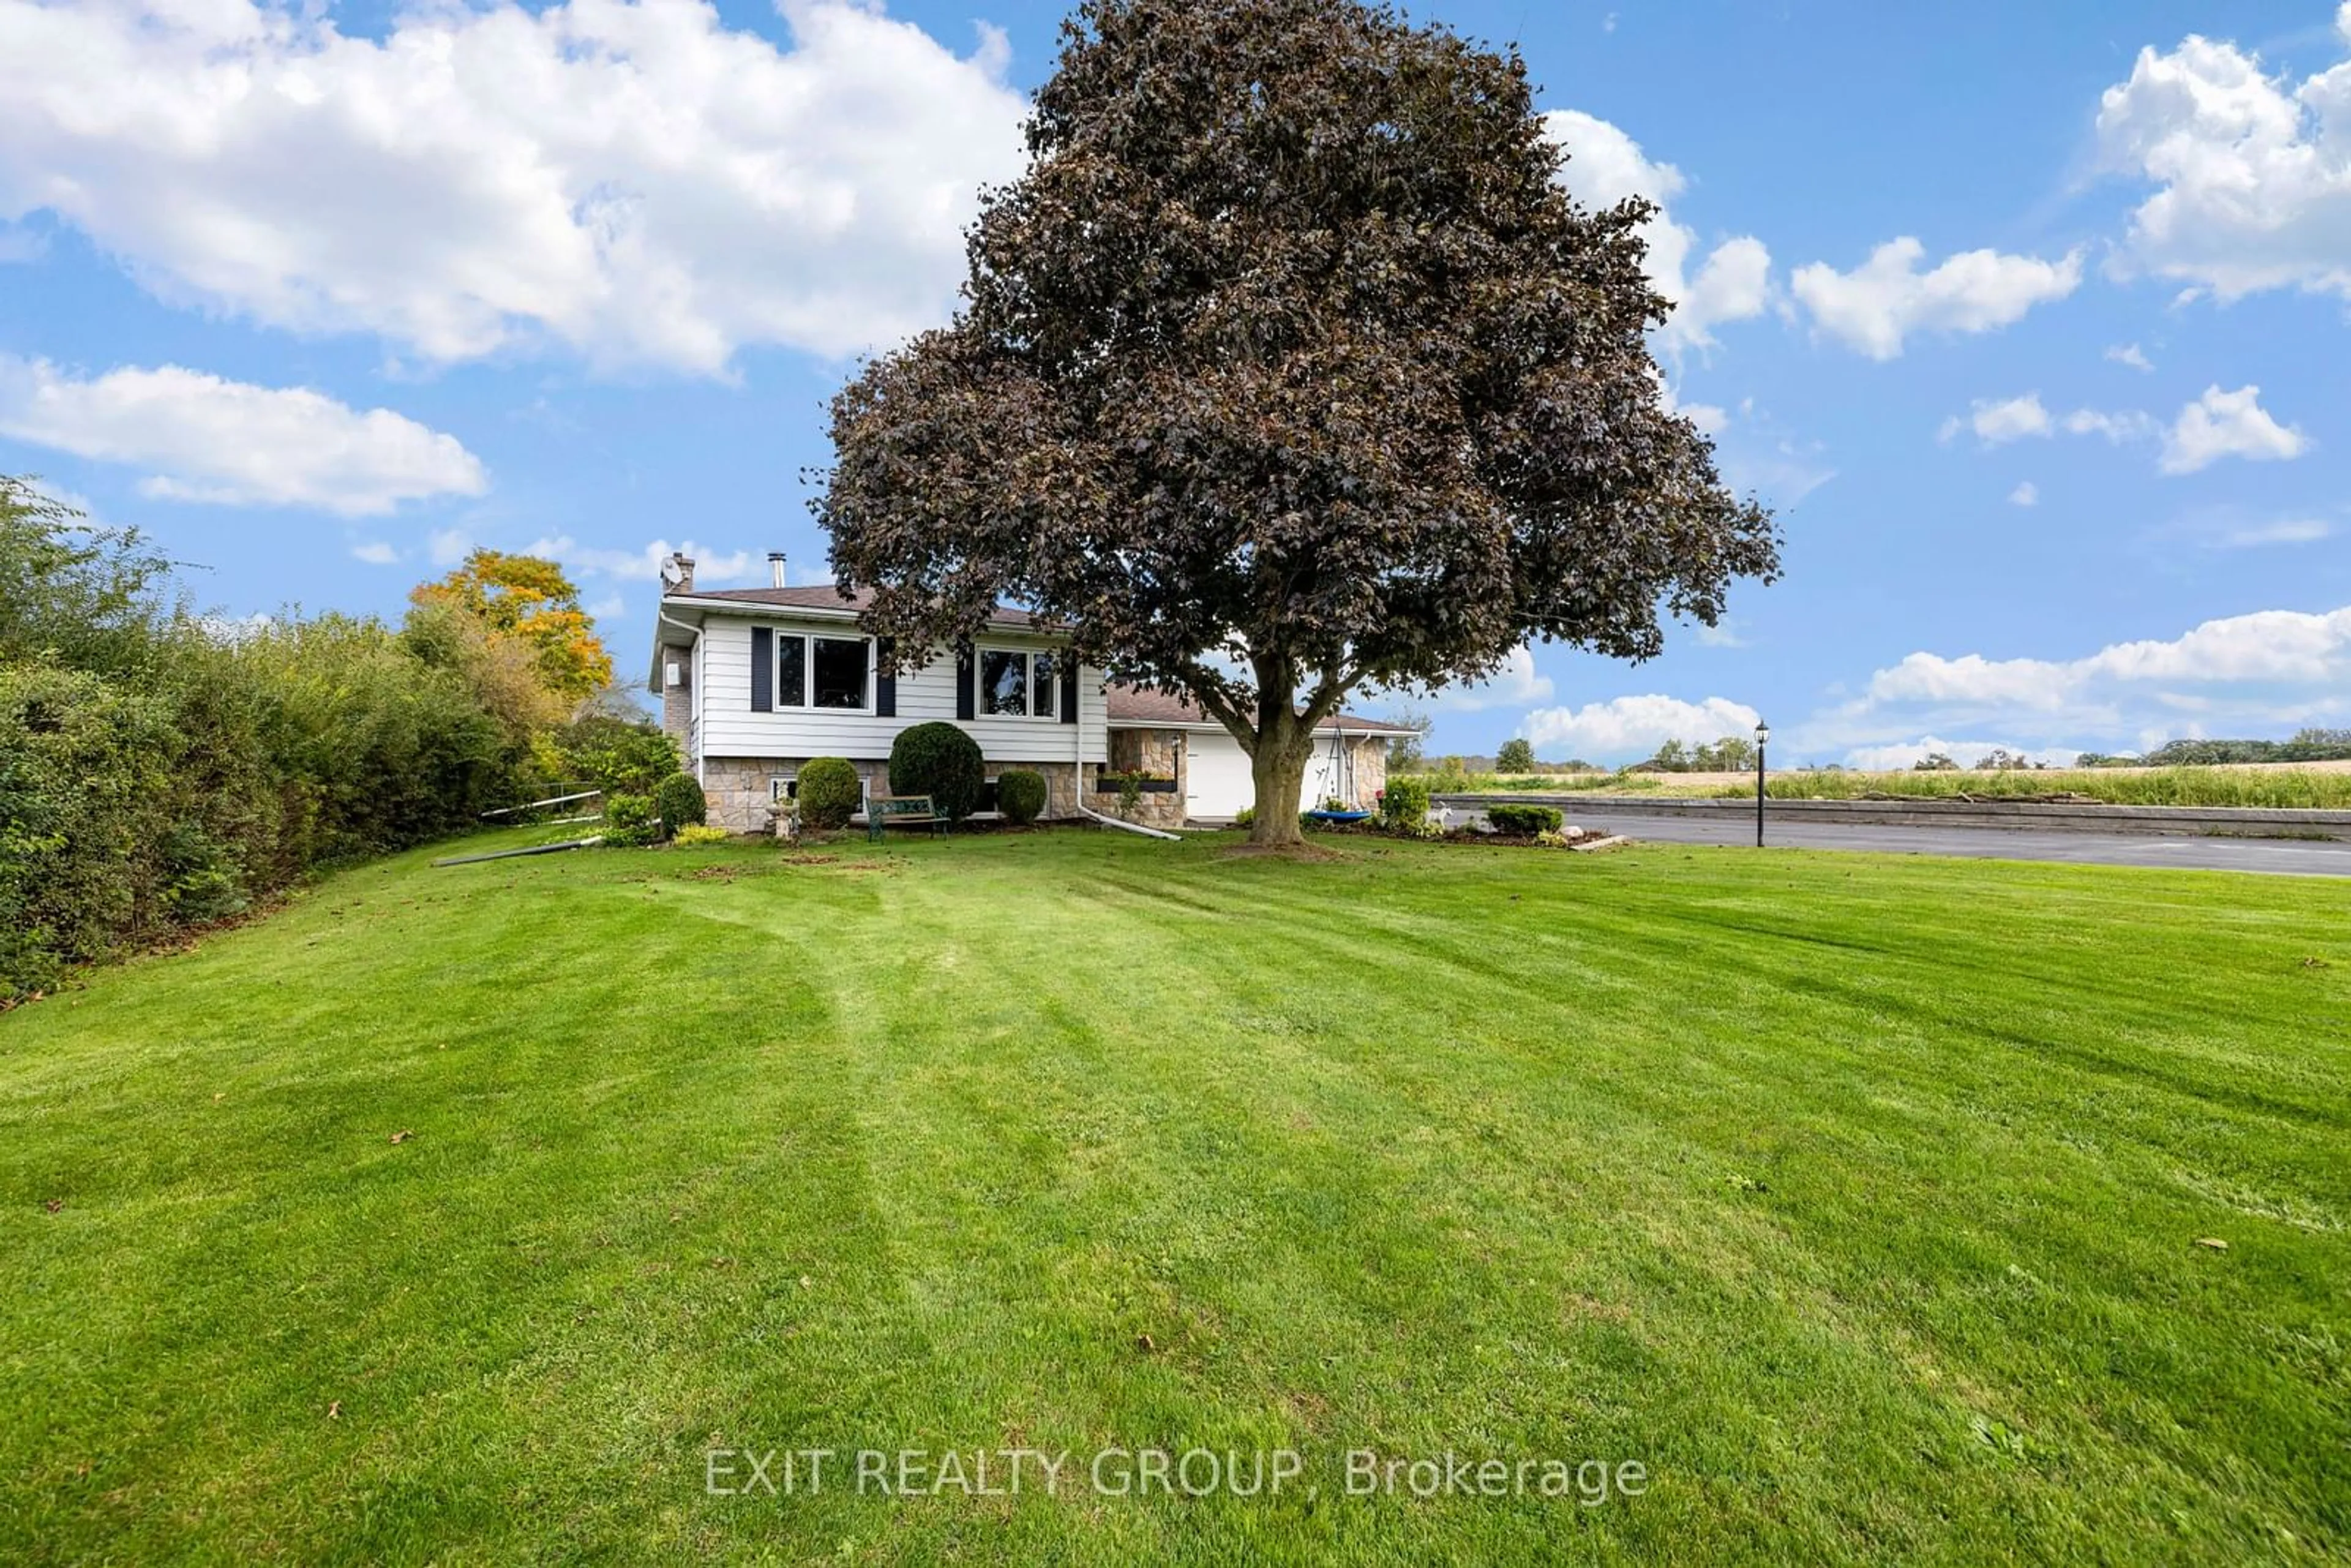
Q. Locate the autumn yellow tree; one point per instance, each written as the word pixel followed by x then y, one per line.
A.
pixel 529 599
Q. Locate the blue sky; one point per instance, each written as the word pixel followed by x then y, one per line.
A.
pixel 2031 320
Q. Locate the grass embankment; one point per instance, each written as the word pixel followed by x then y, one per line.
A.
pixel 1858 1199
pixel 2297 788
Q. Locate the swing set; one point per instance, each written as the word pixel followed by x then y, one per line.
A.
pixel 1342 779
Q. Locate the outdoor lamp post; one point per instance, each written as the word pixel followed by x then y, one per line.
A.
pixel 1762 737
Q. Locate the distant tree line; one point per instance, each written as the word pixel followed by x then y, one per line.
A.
pixel 163 770
pixel 2307 746
pixel 1998 759
pixel 1731 754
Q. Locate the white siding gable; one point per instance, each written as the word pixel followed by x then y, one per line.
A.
pixel 729 726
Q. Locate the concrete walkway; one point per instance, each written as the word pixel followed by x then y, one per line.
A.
pixel 2284 856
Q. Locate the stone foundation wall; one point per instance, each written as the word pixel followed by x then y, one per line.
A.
pixel 737 787
pixel 1151 751
pixel 1153 809
pixel 1371 766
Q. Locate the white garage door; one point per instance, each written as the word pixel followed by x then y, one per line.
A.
pixel 1217 782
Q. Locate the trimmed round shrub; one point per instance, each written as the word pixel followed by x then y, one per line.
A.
pixel 1020 796
pixel 678 801
pixel 629 821
pixel 1525 821
pixel 939 760
pixel 830 792
pixel 1404 802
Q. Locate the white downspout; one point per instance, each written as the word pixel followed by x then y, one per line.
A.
pixel 1130 827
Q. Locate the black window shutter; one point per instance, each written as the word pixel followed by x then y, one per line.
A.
pixel 763 669
pixel 1067 668
pixel 967 679
pixel 885 685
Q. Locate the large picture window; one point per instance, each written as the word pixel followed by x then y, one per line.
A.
pixel 1003 682
pixel 842 666
pixel 1018 683
pixel 824 671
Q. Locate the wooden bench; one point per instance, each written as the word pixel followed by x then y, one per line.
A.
pixel 885 812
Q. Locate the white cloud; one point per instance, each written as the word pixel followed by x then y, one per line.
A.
pixel 447 546
pixel 2228 424
pixel 1629 727
pixel 2026 494
pixel 2129 354
pixel 2129 425
pixel 2281 645
pixel 1874 308
pixel 231 442
pixel 1516 682
pixel 1724 633
pixel 1999 420
pixel 236 628
pixel 643 565
pixel 635 180
pixel 611 607
pixel 1972 679
pixel 2253 170
pixel 2282 531
pixel 1733 284
pixel 20 243
pixel 375 552
pixel 2261 672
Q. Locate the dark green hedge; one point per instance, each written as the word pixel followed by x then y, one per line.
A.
pixel 1021 794
pixel 939 760
pixel 679 802
pixel 829 793
pixel 1525 821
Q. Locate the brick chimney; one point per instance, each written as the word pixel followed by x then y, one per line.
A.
pixel 677 574
pixel 774 568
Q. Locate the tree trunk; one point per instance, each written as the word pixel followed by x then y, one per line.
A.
pixel 1278 771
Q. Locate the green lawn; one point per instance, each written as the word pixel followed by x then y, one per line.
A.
pixel 1858 1200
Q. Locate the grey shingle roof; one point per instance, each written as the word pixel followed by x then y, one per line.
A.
pixel 1135 707
pixel 824 596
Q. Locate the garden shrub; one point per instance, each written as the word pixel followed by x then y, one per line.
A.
pixel 939 760
pixel 202 876
pixel 1020 796
pixel 160 770
pixel 1245 817
pixel 616 755
pixel 694 833
pixel 1404 802
pixel 830 792
pixel 1525 821
pixel 679 802
pixel 629 821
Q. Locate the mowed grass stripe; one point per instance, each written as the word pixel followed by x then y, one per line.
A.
pixel 1855 1197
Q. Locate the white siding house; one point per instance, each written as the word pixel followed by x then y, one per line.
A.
pixel 732 725
pixel 756 682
